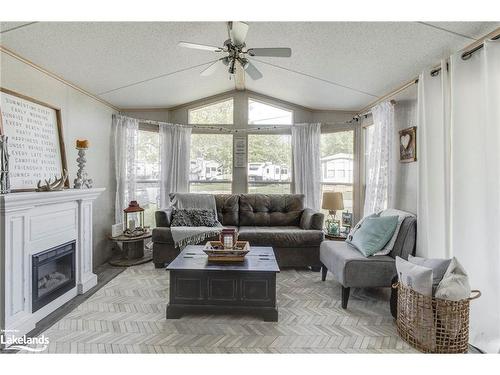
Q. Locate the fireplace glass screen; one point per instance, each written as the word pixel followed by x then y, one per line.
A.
pixel 53 274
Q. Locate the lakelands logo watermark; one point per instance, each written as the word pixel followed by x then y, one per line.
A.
pixel 10 341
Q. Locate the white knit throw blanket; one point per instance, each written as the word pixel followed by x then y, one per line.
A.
pixel 184 236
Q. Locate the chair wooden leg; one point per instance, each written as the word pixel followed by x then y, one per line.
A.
pixel 345 296
pixel 324 271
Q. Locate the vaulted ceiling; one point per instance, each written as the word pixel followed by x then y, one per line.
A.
pixel 334 65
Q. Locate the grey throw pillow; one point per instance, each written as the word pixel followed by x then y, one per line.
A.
pixel 438 267
pixel 455 283
pixel 414 276
pixel 193 218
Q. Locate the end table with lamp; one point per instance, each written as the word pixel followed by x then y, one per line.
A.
pixel 332 201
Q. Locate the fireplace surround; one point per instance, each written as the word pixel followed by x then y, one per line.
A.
pixel 32 226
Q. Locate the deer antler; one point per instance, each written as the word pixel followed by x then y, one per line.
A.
pixel 58 183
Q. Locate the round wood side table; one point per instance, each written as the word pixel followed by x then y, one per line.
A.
pixel 132 250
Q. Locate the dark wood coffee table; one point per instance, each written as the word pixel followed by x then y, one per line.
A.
pixel 197 285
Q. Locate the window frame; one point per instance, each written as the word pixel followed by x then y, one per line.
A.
pixel 354 185
pixel 261 101
pixel 201 131
pixel 211 103
pixel 281 131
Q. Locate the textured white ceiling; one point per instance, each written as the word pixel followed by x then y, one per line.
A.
pixel 120 61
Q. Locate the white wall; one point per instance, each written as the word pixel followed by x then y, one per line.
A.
pixel 405 194
pixel 82 118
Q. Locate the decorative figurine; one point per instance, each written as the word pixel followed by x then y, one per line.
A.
pixel 81 180
pixel 4 164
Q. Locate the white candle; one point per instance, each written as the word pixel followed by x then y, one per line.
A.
pixel 131 224
pixel 228 242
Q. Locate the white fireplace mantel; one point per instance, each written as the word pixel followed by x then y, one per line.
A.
pixel 33 222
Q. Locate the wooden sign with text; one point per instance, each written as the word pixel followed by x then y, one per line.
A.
pixel 36 145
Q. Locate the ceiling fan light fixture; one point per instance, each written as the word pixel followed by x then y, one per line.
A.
pixel 237 52
pixel 244 63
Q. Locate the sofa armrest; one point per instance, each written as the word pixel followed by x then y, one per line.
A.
pixel 163 217
pixel 311 219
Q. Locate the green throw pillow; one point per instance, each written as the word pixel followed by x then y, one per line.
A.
pixel 373 234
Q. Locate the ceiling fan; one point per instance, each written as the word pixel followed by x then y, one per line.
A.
pixel 236 52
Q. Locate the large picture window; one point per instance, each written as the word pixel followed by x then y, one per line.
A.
pixel 148 172
pixel 215 113
pixel 337 162
pixel 269 163
pixel 211 163
pixel 260 113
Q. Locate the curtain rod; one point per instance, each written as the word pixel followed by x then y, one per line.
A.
pixel 477 45
pixel 469 50
pixel 474 47
pixel 225 127
pixel 367 109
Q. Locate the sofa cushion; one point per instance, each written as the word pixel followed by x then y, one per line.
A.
pixel 280 236
pixel 227 208
pixel 350 268
pixel 271 209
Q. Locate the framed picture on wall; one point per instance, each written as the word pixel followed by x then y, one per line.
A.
pixel 36 143
pixel 408 145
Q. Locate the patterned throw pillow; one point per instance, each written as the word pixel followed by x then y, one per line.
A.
pixel 193 218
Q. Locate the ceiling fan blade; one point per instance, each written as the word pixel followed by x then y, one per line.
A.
pixel 253 72
pixel 209 70
pixel 238 32
pixel 204 47
pixel 270 52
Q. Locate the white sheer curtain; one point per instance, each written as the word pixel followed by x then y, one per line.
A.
pixel 125 132
pixel 175 145
pixel 475 185
pixel 379 190
pixel 307 163
pixel 433 150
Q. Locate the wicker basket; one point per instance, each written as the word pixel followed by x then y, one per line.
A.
pixel 433 325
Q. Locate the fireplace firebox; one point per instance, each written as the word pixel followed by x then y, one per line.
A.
pixel 53 274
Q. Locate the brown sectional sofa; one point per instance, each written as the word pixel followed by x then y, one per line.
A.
pixel 277 220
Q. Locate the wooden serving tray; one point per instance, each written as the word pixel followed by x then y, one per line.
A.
pixel 216 252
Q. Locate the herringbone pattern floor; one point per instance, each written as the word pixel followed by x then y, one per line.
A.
pixel 128 316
